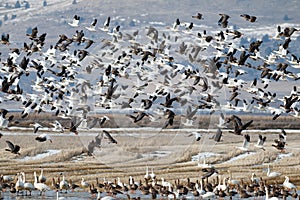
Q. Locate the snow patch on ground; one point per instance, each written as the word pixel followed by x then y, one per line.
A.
pixel 244 155
pixel 49 152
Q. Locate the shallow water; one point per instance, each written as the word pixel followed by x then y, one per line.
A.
pixel 79 195
pixel 49 195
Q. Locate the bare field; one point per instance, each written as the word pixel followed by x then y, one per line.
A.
pixel 169 152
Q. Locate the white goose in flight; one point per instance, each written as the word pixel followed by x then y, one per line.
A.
pixel 75 22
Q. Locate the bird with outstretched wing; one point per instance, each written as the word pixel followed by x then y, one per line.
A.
pixel 13 148
pixel 109 137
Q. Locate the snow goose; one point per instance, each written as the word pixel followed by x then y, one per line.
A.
pixel 260 142
pixel 176 25
pixel 27 185
pixel 246 143
pixel 92 26
pixel 196 135
pixel 42 187
pixel 107 198
pixel 75 22
pixel 57 126
pixel 43 137
pixel 36 127
pixel 106 24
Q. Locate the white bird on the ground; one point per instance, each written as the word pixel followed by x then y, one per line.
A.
pixel 63 184
pixel 147 175
pixel 42 187
pixel 6 178
pixel 27 185
pixel 152 175
pixel 208 195
pixel 19 184
pixel 287 184
pixel 267 195
pixel 42 178
pixel 221 186
pixel 272 174
pixel 84 183
pixel 204 164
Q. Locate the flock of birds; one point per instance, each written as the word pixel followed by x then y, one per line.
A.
pixel 151 75
pixel 152 187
